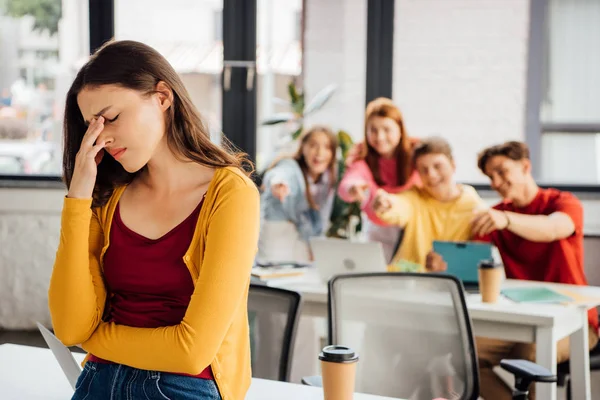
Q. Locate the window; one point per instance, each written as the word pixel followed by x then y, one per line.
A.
pixel 570 111
pixel 37 66
pixel 188 33
pixel 279 63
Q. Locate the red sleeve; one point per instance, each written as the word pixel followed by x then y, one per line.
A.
pixel 484 238
pixel 569 204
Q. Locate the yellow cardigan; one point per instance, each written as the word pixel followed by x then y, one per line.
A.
pixel 214 330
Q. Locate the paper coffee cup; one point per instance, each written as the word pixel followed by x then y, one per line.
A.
pixel 490 280
pixel 338 369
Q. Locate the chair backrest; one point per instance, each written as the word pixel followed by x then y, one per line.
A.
pixel 273 315
pixel 412 333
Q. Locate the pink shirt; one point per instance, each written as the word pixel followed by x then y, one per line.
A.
pixel 359 173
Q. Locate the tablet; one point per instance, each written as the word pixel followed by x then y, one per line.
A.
pixel 463 259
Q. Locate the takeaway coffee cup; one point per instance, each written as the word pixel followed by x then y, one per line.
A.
pixel 490 280
pixel 338 369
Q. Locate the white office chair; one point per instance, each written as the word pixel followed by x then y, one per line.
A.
pixel 414 337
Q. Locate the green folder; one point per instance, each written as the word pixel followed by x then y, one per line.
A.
pixel 535 295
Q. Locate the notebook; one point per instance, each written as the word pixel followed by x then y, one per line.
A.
pixel 278 271
pixel 535 295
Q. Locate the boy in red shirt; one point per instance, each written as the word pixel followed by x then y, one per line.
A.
pixel 539 234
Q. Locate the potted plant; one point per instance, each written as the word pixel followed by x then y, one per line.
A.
pixel 345 217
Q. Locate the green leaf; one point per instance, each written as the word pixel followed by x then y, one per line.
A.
pixel 280 118
pixel 320 99
pixel 293 92
pixel 345 143
pixel 297 134
pixel 298 106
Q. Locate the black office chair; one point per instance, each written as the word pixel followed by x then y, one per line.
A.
pixel 273 314
pixel 412 332
pixel 564 369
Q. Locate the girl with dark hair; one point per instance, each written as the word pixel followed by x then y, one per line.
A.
pixel 158 235
pixel 297 198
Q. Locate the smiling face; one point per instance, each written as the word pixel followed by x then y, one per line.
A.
pixel 436 172
pixel 383 135
pixel 317 152
pixel 134 122
pixel 508 177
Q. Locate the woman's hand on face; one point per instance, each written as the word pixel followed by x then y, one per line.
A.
pixel 87 159
pixel 280 191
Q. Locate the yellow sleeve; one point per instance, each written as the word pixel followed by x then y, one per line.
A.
pixel 401 211
pixel 77 295
pixel 191 346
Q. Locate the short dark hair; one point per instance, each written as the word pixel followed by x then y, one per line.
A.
pixel 514 150
pixel 434 145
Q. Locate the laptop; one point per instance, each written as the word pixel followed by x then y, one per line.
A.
pixel 63 355
pixel 340 256
pixel 463 260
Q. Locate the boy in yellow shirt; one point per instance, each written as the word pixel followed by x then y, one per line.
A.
pixel 440 210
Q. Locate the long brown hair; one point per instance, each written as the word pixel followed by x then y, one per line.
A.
pixel 136 66
pixel 299 158
pixel 384 107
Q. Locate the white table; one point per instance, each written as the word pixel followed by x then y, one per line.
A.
pixel 543 324
pixel 31 373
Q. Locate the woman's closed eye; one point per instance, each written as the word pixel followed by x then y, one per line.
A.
pixel 112 120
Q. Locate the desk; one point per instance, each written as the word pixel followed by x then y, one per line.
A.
pixel 32 373
pixel 543 324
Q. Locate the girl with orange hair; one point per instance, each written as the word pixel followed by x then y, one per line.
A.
pixel 384 162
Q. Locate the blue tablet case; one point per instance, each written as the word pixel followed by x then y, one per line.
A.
pixel 463 258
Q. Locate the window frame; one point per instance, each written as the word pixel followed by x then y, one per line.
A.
pixel 380 49
pixel 537 81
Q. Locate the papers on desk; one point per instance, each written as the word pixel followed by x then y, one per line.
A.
pixel 278 271
pixel 535 295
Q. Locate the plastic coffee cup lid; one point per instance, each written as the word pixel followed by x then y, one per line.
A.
pixel 338 354
pixel 489 264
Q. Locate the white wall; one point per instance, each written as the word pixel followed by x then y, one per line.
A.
pixel 29 233
pixel 459 72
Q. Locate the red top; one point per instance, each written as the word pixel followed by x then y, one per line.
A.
pixel 148 283
pixel 560 261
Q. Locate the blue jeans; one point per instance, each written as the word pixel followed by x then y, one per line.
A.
pixel 99 381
